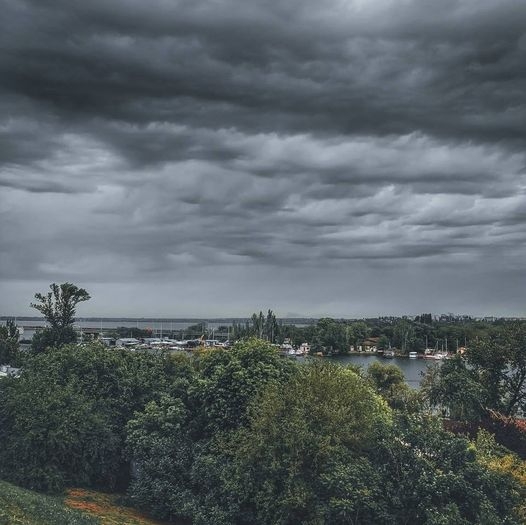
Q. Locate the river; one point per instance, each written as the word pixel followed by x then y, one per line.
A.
pixel 413 369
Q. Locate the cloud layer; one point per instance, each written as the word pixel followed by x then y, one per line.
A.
pixel 372 153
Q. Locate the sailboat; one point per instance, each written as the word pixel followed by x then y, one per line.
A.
pixel 436 354
pixel 389 353
pixel 429 353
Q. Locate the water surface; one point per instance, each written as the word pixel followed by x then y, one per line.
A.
pixel 413 369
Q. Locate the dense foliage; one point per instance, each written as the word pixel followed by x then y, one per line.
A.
pixel 173 439
pixel 306 439
pixel 490 376
pixel 63 420
pixel 245 436
pixel 9 347
pixel 317 447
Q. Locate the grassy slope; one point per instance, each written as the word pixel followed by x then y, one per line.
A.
pixel 23 507
pixel 80 507
pixel 106 508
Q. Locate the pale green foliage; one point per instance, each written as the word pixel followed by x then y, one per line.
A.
pixel 388 380
pixel 296 432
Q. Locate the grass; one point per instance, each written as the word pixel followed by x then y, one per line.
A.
pixel 80 507
pixel 106 508
pixel 23 507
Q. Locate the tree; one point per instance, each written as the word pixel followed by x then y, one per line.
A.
pixel 62 422
pixel 304 437
pixel 454 387
pixel 357 332
pixel 49 338
pixel 433 477
pixel 383 343
pixel 58 308
pixel 490 377
pixel 404 336
pixel 230 379
pixel 271 327
pixel 127 331
pixel 163 452
pixel 500 364
pixel 176 441
pixel 9 343
pixel 498 458
pixel 331 336
pixel 389 382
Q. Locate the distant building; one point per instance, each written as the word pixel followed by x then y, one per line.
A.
pixel 304 348
pixel 127 342
pixel 368 345
pixel 9 371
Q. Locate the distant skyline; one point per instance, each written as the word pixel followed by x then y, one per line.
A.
pixel 210 159
pixel 96 319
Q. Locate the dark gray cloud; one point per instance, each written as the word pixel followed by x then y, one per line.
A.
pixel 250 152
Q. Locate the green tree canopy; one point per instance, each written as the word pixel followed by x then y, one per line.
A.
pixel 388 381
pixel 9 343
pixel 491 376
pixel 230 379
pixel 63 420
pixel 58 308
pixel 176 442
pixel 297 432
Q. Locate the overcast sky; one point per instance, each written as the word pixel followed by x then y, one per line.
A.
pixel 317 157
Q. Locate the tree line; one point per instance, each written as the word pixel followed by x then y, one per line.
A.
pixel 339 336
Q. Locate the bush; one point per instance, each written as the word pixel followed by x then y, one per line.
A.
pixel 62 421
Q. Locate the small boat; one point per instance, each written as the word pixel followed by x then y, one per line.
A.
pixel 413 355
pixel 389 354
pixel 429 353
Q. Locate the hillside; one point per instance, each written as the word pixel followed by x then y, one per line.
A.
pixel 80 507
pixel 23 507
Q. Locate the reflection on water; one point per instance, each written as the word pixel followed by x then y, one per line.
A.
pixel 413 369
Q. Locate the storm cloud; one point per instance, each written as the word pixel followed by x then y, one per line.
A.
pixel 209 158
